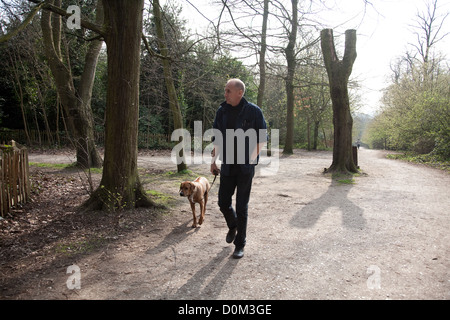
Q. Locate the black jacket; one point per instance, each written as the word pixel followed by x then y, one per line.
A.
pixel 253 131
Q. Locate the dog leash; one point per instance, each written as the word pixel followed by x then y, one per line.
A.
pixel 215 176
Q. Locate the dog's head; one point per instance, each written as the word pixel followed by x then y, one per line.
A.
pixel 186 189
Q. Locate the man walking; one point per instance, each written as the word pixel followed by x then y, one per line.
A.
pixel 243 134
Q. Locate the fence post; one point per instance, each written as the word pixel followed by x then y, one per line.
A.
pixel 2 186
pixel 14 176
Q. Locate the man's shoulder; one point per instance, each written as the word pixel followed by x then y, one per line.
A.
pixel 251 105
pixel 222 106
pixel 220 111
pixel 247 105
pixel 252 108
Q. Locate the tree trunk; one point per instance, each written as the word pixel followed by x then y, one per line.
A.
pixel 262 56
pixel 79 112
pixel 120 186
pixel 58 139
pixel 338 73
pixel 37 127
pixel 173 98
pixel 291 65
pixel 308 130
pixel 19 92
pixel 86 128
pixel 324 138
pixel 316 134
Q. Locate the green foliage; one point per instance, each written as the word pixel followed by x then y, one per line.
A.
pixel 431 160
pixel 416 114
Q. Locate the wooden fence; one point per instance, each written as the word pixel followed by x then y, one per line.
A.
pixel 14 177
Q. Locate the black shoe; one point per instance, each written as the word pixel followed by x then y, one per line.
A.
pixel 231 235
pixel 238 253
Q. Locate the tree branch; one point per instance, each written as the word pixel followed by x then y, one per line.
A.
pixel 152 52
pixel 22 26
pixel 86 24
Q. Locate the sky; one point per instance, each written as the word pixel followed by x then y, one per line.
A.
pixel 384 30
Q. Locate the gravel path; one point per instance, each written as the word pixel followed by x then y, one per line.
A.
pixel 384 236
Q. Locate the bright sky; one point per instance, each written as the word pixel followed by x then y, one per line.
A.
pixel 383 32
pixel 383 35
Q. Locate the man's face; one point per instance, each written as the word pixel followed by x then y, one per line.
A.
pixel 233 95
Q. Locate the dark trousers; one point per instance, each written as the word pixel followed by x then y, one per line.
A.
pixel 242 183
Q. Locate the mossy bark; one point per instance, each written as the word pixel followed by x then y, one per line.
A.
pixel 120 186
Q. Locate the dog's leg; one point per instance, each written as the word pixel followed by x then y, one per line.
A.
pixel 205 200
pixel 194 224
pixel 202 209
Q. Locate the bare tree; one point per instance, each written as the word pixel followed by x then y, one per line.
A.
pixel 338 74
pixel 168 78
pixel 76 101
pixel 291 66
pixel 428 32
pixel 262 56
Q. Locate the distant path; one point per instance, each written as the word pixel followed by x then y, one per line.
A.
pixel 384 237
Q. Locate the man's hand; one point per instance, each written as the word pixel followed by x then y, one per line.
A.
pixel 256 152
pixel 214 169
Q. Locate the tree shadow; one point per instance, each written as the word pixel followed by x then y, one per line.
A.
pixel 177 235
pixel 202 285
pixel 336 196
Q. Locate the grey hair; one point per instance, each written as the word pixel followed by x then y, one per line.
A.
pixel 238 84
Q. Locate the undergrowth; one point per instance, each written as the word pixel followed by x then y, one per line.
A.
pixel 426 159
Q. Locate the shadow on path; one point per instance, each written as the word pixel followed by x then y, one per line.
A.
pixel 336 196
pixel 198 286
pixel 177 235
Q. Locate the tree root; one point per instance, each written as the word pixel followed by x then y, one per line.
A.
pixel 344 170
pixel 102 199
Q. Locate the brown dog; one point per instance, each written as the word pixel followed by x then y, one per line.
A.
pixel 197 192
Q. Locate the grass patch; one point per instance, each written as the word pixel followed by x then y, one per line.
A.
pixel 53 165
pixel 341 178
pixel 346 181
pixel 95 170
pixel 171 178
pixel 65 166
pixel 426 159
pixel 185 174
pixel 80 246
pixel 160 197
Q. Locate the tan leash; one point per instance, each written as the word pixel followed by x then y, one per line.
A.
pixel 215 177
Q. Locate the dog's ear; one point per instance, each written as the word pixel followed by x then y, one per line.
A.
pixel 192 187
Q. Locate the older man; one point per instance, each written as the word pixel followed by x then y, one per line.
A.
pixel 246 121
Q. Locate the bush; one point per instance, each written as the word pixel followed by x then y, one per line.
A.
pixel 442 148
pixel 423 145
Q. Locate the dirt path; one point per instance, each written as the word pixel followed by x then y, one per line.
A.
pixel 385 236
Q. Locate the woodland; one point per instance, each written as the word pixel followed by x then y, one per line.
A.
pixel 62 85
